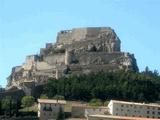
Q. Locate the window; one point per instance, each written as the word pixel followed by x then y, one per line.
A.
pixel 44 109
pixel 147 112
pixel 153 112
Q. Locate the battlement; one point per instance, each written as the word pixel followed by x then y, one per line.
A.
pixel 31 58
pixel 80 34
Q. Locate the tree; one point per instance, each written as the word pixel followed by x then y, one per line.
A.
pixel 123 85
pixel 27 101
pixel 7 105
pixel 0 107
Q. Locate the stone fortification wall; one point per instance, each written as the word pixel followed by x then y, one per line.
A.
pixel 79 69
pixel 43 66
pixel 97 57
pixel 80 34
pixel 56 59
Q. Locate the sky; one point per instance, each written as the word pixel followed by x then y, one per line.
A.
pixel 27 25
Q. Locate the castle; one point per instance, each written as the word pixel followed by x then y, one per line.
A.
pixel 76 51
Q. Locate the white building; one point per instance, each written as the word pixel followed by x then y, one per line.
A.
pixel 132 109
pixel 110 117
pixel 49 109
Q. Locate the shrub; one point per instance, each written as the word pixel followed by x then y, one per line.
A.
pixel 95 102
pixel 43 96
pixel 27 101
pixel 59 97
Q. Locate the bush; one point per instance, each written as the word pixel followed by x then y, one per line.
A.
pixel 58 97
pixel 27 101
pixel 106 103
pixel 95 102
pixel 43 96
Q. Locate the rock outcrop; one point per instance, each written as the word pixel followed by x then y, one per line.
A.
pixel 76 51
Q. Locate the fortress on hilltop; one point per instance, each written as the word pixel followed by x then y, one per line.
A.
pixel 76 51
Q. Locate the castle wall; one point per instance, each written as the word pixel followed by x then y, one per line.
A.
pixel 79 69
pixel 43 66
pixel 31 58
pixel 79 34
pixel 64 37
pixel 57 59
pixel 97 57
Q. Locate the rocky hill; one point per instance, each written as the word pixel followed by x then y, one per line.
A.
pixel 76 51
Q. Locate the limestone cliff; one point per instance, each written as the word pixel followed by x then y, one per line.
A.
pixel 76 51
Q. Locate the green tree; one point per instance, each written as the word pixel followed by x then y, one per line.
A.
pixel 0 107
pixel 27 101
pixel 130 86
pixel 7 105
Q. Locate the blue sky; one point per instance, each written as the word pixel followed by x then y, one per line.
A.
pixel 26 25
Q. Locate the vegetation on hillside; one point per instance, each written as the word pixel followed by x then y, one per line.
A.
pixel 27 101
pixel 131 86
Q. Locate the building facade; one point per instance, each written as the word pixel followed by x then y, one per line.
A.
pixel 110 117
pixel 132 109
pixel 49 109
pixel 95 111
pixel 83 111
